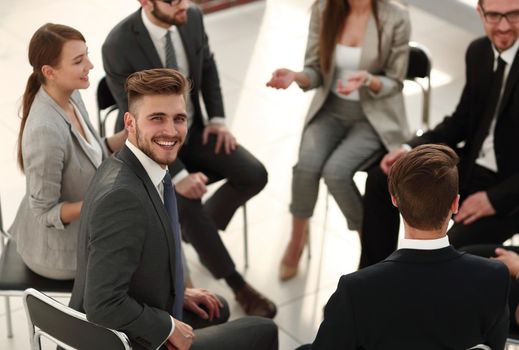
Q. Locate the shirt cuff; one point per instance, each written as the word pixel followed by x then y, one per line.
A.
pixel 217 120
pixel 172 328
pixel 406 147
pixel 181 175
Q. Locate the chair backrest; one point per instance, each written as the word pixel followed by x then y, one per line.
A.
pixel 66 327
pixel 419 62
pixel 105 98
pixel 106 103
pixel 419 71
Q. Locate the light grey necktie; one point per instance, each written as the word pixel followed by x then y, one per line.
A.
pixel 171 58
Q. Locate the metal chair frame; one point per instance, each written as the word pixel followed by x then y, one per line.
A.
pixel 8 289
pixel 37 330
pixel 420 67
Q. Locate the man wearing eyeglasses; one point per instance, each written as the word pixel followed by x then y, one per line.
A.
pixel 170 33
pixel 485 129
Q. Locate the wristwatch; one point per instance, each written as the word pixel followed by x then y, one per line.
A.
pixel 368 80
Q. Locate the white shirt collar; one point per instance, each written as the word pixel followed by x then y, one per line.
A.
pixel 509 54
pixel 424 244
pixel 157 33
pixel 153 169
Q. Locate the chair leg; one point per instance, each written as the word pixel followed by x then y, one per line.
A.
pixel 8 318
pixel 245 237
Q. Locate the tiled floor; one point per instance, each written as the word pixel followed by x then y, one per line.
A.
pixel 249 42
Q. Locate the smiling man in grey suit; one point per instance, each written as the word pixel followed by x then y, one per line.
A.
pixel 129 274
pixel 170 33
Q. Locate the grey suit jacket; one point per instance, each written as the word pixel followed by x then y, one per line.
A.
pixel 384 110
pixel 126 256
pixel 58 169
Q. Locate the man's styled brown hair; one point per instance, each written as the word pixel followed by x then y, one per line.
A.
pixel 424 183
pixel 159 81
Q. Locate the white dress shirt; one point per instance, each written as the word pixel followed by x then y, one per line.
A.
pixel 487 155
pixel 424 244
pixel 158 37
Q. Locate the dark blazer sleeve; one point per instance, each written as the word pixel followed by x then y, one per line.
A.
pixel 453 129
pixel 116 244
pixel 209 78
pixel 497 334
pixel 505 195
pixel 117 69
pixel 337 331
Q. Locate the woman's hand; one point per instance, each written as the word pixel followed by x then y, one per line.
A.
pixel 354 82
pixel 281 78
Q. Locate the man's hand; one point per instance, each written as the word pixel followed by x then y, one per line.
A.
pixel 510 259
pixel 192 186
pixel 390 159
pixel 281 78
pixel 182 337
pixel 476 206
pixel 194 297
pixel 223 137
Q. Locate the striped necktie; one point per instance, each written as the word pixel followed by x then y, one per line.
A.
pixel 171 58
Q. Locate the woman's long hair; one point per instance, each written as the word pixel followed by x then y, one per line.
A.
pixel 332 23
pixel 44 49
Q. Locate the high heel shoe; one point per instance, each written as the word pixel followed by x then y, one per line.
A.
pixel 287 272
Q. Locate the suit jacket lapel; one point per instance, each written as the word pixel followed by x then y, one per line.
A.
pixel 511 81
pixel 129 159
pixel 369 44
pixel 79 103
pixel 73 131
pixel 144 40
pixel 190 50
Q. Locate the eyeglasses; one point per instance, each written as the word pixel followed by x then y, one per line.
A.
pixel 171 2
pixel 495 17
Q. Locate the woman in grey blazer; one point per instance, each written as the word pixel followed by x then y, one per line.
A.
pixel 58 150
pixel 356 59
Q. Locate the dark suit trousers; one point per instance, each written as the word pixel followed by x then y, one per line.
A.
pixel 381 223
pixel 246 333
pixel 244 177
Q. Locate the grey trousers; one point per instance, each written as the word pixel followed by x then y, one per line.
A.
pixel 336 143
pixel 246 333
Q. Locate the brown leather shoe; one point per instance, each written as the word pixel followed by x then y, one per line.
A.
pixel 253 303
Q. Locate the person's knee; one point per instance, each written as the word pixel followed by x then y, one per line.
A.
pixel 252 179
pixel 224 310
pixel 258 177
pixel 336 180
pixel 265 333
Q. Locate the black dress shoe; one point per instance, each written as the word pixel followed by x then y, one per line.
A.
pixel 253 303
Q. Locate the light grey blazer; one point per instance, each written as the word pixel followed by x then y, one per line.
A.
pixel 58 168
pixel 385 110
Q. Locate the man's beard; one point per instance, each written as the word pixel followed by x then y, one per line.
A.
pixel 146 147
pixel 161 16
